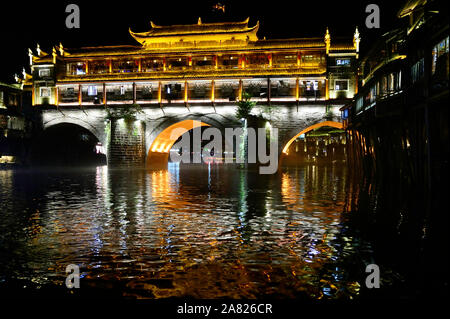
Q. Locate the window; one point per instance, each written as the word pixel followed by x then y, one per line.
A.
pixel 150 65
pixel 417 70
pixel 13 99
pixel 92 90
pixel 80 69
pixel 173 91
pixel 68 94
pixel 373 93
pixel 312 59
pixel 438 51
pixel 45 92
pixel 259 59
pixel 122 90
pixel 147 91
pixel 341 85
pixel 229 61
pixel 280 59
pixel 44 73
pixel 76 68
pixel 202 61
pixel 359 104
pixel 177 63
pixel 345 114
pixel 124 66
pixel 342 62
pixel 1 97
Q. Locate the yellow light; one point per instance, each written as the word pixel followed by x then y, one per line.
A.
pixel 310 128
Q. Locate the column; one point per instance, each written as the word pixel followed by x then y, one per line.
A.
pixel 104 93
pixel 159 92
pixel 57 96
pixel 79 94
pixel 240 91
pixel 33 97
pixel 212 91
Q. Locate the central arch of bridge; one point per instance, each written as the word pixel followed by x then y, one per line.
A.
pixel 158 153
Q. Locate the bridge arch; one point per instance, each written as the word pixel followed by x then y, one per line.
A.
pixel 164 135
pixel 310 128
pixel 75 121
pixel 68 143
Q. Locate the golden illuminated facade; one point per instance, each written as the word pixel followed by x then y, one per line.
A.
pixel 200 63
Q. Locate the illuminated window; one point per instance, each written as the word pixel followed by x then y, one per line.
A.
pixel 359 104
pixel 438 51
pixel 80 69
pixel 13 100
pixel 44 73
pixel 92 90
pixel 342 62
pixel 341 85
pixel 45 92
pixel 281 59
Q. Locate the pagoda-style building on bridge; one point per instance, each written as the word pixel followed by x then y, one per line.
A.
pixel 209 63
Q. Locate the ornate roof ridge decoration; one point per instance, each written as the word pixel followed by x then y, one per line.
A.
pixel 200 26
pixel 196 34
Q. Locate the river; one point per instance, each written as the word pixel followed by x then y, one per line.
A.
pixel 206 231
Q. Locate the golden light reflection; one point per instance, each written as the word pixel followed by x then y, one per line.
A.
pixel 160 148
pixel 310 128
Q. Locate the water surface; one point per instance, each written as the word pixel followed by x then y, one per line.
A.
pixel 208 231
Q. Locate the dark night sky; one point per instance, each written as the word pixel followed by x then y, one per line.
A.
pixel 24 24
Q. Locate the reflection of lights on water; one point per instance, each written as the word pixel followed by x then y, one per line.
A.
pixel 209 178
pixel 174 170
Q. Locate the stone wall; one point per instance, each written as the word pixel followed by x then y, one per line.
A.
pixel 126 145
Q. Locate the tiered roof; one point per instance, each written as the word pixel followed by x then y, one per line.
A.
pixel 198 33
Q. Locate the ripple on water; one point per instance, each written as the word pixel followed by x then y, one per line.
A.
pixel 202 233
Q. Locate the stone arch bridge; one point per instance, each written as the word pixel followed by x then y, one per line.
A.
pixel 148 141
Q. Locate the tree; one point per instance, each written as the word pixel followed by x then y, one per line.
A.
pixel 127 112
pixel 244 106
